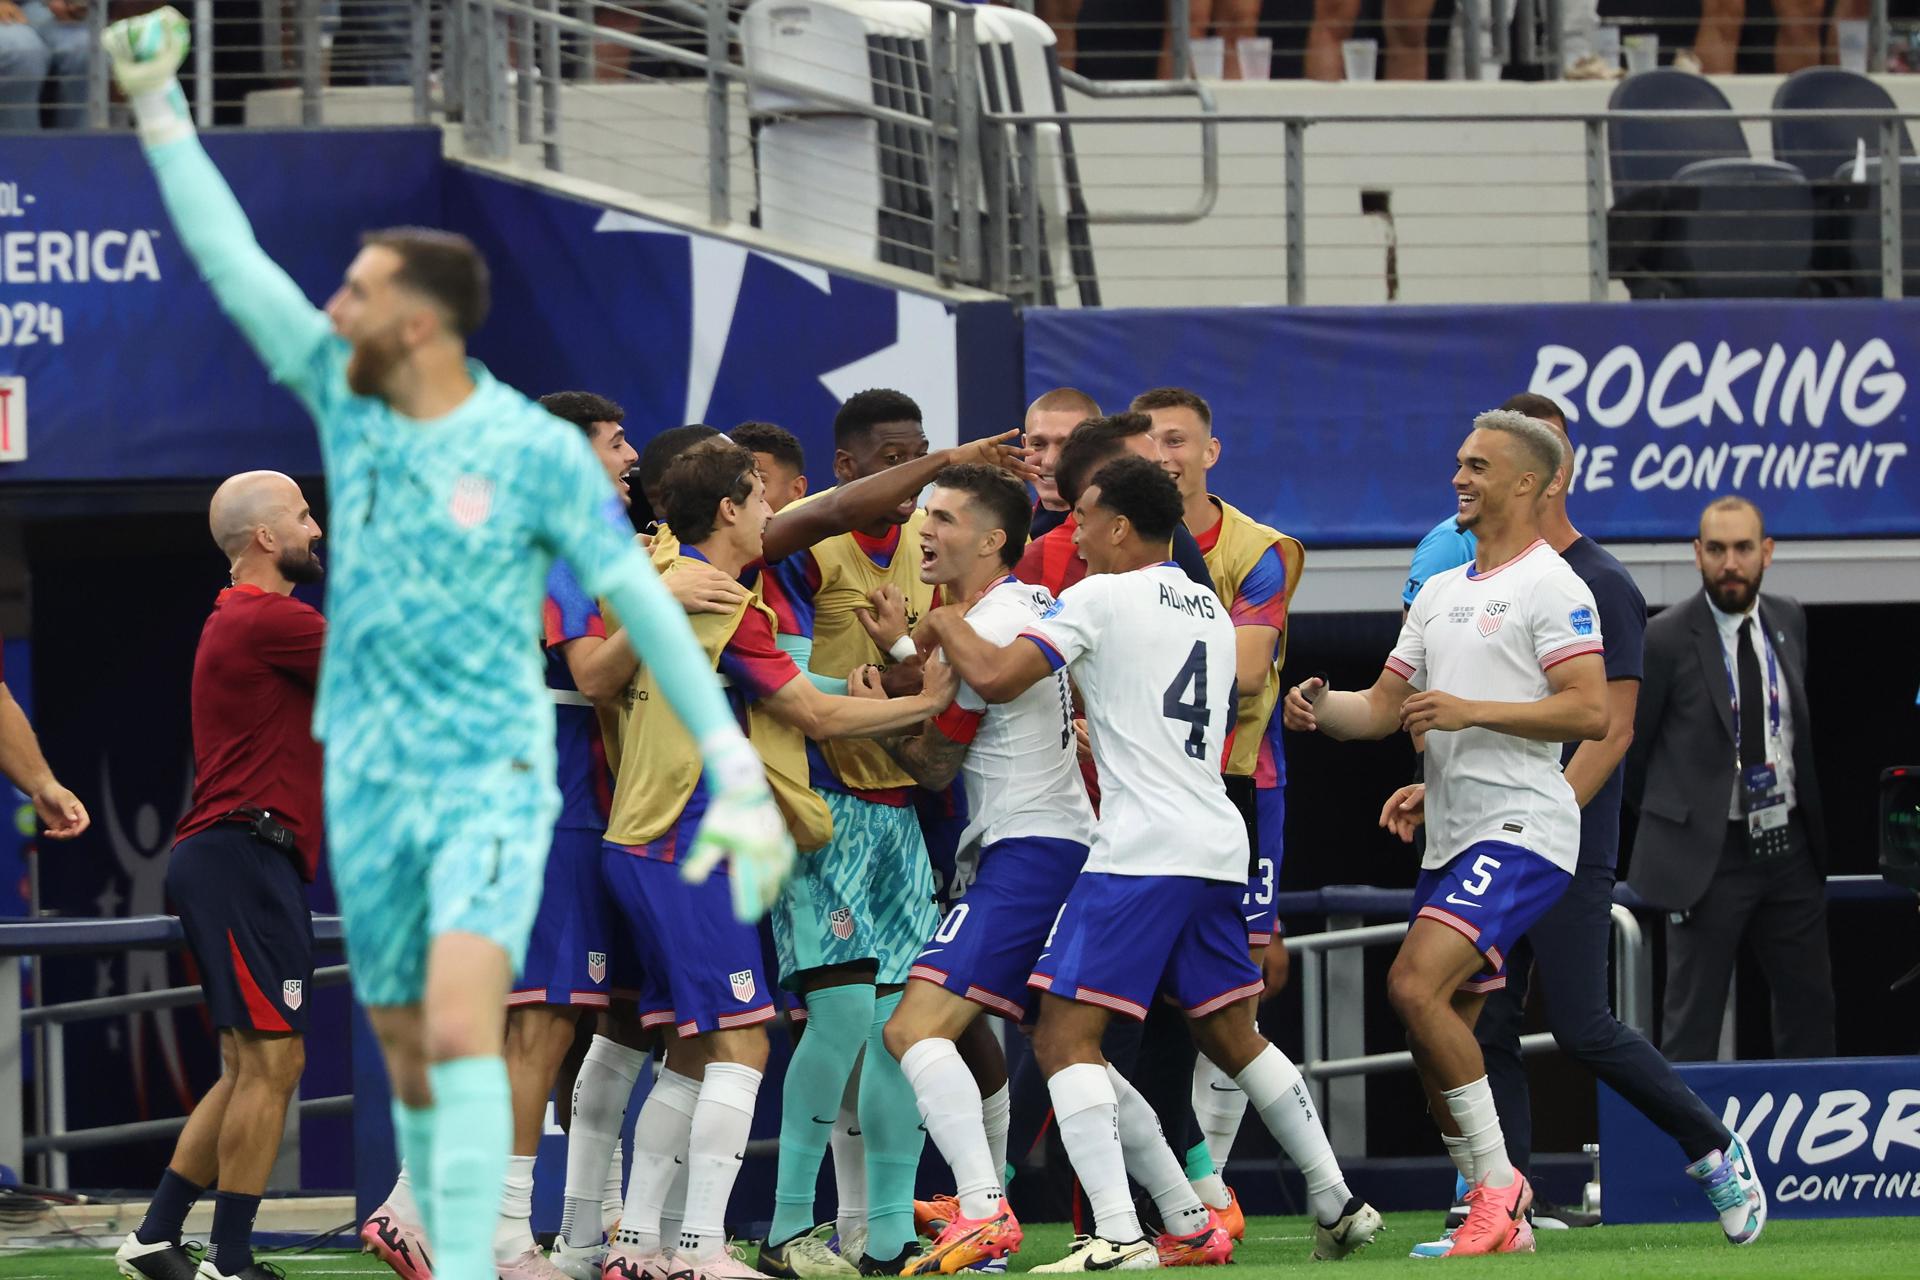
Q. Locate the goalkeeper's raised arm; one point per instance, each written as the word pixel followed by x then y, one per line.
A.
pixel 279 322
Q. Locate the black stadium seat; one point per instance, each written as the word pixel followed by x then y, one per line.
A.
pixel 1847 210
pixel 1694 214
pixel 1818 147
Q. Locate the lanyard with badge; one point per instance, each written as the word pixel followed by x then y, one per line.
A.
pixel 1763 798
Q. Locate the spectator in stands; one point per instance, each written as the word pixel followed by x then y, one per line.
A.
pixel 1796 37
pixel 22 764
pixel 41 41
pixel 1231 20
pixel 1731 841
pixel 1404 25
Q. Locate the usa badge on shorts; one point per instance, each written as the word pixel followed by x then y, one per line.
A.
pixel 291 993
pixel 1491 617
pixel 742 983
pixel 597 966
pixel 841 922
pixel 472 501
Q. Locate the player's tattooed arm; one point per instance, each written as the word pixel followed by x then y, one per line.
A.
pixel 932 758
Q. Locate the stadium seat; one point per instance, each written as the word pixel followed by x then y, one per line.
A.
pixel 1819 146
pixel 1850 225
pixel 1694 214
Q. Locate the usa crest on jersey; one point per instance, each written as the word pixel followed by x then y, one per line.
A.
pixel 1492 616
pixel 292 992
pixel 597 966
pixel 472 500
pixel 743 986
pixel 841 922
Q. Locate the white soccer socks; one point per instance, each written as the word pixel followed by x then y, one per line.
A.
pixel 1274 1088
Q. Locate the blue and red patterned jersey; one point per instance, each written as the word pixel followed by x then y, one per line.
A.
pixel 586 783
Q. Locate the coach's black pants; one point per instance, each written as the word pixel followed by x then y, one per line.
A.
pixel 1567 954
pixel 1780 906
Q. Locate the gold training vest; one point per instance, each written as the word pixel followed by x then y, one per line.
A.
pixel 659 762
pixel 1242 541
pixel 840 643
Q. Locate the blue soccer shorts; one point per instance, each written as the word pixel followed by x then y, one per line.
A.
pixel 243 908
pixel 578 952
pixel 1491 893
pixel 866 896
pixel 703 966
pixel 986 945
pixel 1121 940
pixel 413 860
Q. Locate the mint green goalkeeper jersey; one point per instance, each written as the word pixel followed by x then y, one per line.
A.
pixel 442 534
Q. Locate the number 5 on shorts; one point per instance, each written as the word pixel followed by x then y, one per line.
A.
pixel 1483 868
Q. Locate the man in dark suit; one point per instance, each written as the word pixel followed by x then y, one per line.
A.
pixel 1731 841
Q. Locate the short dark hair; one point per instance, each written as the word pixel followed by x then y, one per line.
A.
pixel 868 409
pixel 776 442
pixel 663 449
pixel 1003 498
pixel 695 482
pixel 1066 400
pixel 1093 442
pixel 442 265
pixel 1538 406
pixel 582 408
pixel 1733 502
pixel 1144 493
pixel 1174 398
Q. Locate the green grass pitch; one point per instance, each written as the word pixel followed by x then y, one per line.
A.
pixel 1274 1246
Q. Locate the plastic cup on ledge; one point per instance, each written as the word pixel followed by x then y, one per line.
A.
pixel 1361 58
pixel 1255 55
pixel 1209 58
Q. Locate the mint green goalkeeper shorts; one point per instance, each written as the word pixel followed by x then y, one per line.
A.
pixel 412 861
pixel 866 896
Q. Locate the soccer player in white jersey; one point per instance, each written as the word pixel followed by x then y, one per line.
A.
pixel 1498 664
pixel 1016 860
pixel 1157 907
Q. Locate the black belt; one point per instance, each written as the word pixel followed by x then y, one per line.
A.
pixel 265 827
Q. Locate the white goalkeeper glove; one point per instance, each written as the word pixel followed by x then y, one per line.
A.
pixel 146 53
pixel 744 826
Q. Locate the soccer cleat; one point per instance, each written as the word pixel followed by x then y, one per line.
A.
pixel 1520 1242
pixel 1352 1231
pixel 806 1255
pixel 531 1265
pixel 1232 1218
pixel 400 1244
pixel 852 1245
pixel 1092 1253
pixel 625 1263
pixel 586 1262
pixel 966 1242
pixel 1208 1247
pixel 166 1260
pixel 1494 1216
pixel 1733 1187
pixel 930 1217
pixel 872 1266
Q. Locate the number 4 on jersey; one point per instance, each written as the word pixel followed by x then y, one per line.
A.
pixel 1175 706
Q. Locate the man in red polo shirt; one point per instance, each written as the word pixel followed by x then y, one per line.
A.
pixel 237 875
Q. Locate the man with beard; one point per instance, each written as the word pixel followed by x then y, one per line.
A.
pixel 454 495
pixel 246 848
pixel 1731 841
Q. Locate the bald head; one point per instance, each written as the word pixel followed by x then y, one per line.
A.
pixel 261 523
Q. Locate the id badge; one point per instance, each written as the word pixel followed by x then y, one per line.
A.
pixel 1766 805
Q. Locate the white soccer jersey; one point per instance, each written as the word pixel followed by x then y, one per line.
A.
pixel 1153 654
pixel 1021 771
pixel 1493 637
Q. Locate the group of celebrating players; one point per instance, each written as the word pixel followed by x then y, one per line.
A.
pixel 982 754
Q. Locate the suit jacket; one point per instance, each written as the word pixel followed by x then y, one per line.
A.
pixel 1680 770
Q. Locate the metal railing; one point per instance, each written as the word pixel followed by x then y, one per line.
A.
pixel 50 937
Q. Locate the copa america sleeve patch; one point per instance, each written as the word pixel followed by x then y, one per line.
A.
pixel 1582 620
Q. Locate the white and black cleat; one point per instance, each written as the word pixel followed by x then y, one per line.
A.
pixel 166 1260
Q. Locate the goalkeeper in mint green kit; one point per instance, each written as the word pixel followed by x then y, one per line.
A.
pixel 452 495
